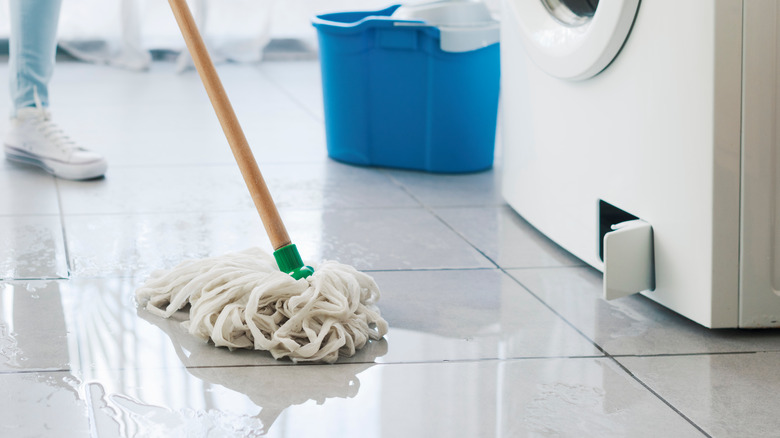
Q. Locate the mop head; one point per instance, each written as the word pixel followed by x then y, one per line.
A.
pixel 242 300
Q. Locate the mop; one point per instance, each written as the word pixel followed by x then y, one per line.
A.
pixel 249 299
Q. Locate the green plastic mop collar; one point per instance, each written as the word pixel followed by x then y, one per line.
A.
pixel 289 261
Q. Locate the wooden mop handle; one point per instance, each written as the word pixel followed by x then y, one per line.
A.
pixel 264 203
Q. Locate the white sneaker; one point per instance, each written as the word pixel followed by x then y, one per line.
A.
pixel 35 139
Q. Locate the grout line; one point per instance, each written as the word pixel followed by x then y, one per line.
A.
pixel 666 402
pixel 430 210
pixel 210 212
pixel 545 304
pixel 463 237
pixel 403 187
pixel 11 215
pixel 716 353
pixel 477 268
pixel 414 362
pixel 390 270
pixel 527 268
pixel 17 279
pixel 35 371
pixel 283 363
pixel 213 164
pixel 316 117
pixel 62 228
pixel 489 359
pixel 141 275
pixel 470 206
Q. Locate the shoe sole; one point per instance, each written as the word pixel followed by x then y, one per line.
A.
pixel 90 170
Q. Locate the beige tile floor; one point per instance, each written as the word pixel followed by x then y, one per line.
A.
pixel 495 331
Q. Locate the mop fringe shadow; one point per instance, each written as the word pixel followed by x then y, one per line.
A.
pixel 242 300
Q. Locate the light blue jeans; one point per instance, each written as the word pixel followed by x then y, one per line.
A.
pixel 32 47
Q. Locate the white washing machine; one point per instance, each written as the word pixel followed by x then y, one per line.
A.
pixel 642 137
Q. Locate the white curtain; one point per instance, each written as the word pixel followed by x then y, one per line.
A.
pixel 122 32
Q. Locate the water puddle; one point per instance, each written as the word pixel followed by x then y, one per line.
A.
pixel 123 416
pixel 583 404
pixel 10 353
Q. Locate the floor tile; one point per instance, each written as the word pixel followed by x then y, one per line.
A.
pixel 158 190
pixel 137 120
pixel 725 394
pixel 303 83
pixel 33 333
pixel 133 245
pixel 32 247
pixel 634 324
pixel 27 191
pixel 368 239
pixel 45 405
pixel 332 185
pixel 108 332
pixel 140 136
pixel 456 315
pixel 506 238
pixel 444 190
pixel 286 139
pixel 516 398
pixel 221 188
pixel 76 83
pixel 147 134
pixel 382 239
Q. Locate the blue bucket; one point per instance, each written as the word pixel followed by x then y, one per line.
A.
pixel 394 98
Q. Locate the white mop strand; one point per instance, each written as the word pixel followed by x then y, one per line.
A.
pixel 242 300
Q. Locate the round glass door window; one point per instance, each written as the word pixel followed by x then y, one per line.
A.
pixel 572 39
pixel 572 12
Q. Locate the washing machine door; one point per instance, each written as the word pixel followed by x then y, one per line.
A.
pixel 572 39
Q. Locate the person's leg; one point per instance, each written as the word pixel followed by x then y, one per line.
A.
pixel 33 138
pixel 33 45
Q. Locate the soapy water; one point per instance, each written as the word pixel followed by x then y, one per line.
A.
pixel 10 353
pixel 121 415
pixel 32 286
pixel 268 396
pixel 582 405
pixel 118 415
pixel 58 404
pixel 33 249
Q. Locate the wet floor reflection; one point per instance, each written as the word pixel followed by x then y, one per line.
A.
pixel 245 401
pixel 134 374
pixel 33 333
pixel 273 387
